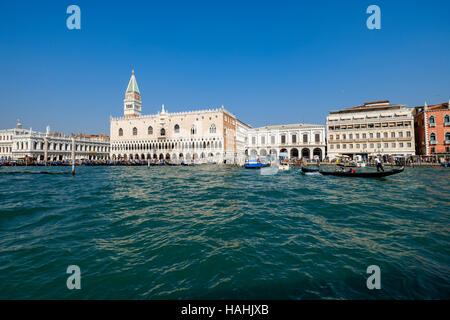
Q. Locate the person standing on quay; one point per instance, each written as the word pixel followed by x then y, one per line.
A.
pixel 379 164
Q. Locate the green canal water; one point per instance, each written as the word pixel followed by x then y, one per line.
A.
pixel 216 232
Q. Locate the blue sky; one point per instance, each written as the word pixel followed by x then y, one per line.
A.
pixel 268 62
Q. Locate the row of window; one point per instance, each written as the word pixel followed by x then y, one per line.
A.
pixel 176 129
pixel 371 135
pixel 283 139
pixel 164 146
pixel 433 137
pixel 371 146
pixel 161 156
pixel 433 120
pixel 5 149
pixel 5 138
pixel 61 147
pixel 370 126
pixel 433 149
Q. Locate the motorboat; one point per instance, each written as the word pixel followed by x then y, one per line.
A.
pixel 255 164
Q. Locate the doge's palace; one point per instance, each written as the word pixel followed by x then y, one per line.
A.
pixel 195 136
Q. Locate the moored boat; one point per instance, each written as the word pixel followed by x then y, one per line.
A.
pixel 283 158
pixel 255 164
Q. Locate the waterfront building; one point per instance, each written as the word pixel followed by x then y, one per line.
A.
pixel 374 129
pixel 300 141
pixel 201 136
pixel 242 130
pixel 6 143
pixel 432 129
pixel 19 143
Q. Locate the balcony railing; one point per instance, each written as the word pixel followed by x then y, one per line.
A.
pixel 366 121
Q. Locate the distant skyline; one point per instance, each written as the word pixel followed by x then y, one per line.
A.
pixel 267 62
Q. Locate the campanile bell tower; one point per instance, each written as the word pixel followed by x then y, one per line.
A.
pixel 132 105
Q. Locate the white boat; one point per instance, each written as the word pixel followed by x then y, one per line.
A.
pixel 284 166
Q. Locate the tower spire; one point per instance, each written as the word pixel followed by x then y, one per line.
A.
pixel 132 84
pixel 132 105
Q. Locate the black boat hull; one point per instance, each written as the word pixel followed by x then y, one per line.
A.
pixel 362 174
pixel 309 170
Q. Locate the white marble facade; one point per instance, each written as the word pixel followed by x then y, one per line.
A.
pixel 19 143
pixel 299 141
pixel 199 136
pixel 376 128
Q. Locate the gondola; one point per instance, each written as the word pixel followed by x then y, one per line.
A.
pixel 309 170
pixel 172 164
pixel 158 164
pixel 362 174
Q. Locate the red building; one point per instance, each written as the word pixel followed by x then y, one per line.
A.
pixel 432 129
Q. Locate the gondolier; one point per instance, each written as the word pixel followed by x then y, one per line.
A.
pixel 379 164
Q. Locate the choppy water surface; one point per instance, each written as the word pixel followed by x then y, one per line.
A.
pixel 221 232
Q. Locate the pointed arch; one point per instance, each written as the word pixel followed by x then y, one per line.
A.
pixel 432 121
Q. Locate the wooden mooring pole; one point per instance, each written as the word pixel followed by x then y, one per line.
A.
pixel 73 156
